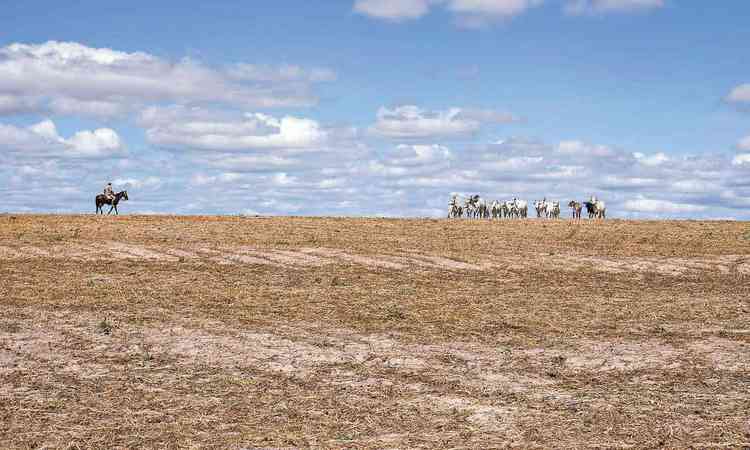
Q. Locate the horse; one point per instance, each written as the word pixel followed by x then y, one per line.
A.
pixel 522 208
pixel 596 209
pixel 576 207
pixel 541 208
pixel 102 200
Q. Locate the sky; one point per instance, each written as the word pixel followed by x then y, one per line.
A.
pixel 376 107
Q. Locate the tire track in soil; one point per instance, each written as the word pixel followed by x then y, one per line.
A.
pixel 138 252
pixel 284 257
pixel 356 259
pixel 226 258
pixel 9 253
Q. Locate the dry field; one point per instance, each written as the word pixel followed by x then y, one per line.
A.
pixel 230 332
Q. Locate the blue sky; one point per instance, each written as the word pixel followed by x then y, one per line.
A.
pixel 392 105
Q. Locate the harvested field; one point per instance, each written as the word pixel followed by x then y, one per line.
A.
pixel 231 332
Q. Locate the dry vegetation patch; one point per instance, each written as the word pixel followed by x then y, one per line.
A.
pixel 231 332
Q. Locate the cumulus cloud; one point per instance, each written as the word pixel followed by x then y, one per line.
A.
pixel 412 122
pixel 410 160
pixel 394 10
pixel 479 13
pixel 741 160
pixel 581 7
pixel 71 78
pixel 195 128
pixel 42 139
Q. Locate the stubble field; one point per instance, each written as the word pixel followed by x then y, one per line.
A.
pixel 232 332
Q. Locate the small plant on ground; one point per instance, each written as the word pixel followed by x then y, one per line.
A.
pixel 105 327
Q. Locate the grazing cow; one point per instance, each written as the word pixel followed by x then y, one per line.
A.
pixel 576 207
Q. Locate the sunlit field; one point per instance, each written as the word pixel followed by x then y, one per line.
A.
pixel 233 332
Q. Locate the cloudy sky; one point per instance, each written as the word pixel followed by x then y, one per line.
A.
pixel 375 107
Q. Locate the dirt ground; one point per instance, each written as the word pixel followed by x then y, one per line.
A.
pixel 235 332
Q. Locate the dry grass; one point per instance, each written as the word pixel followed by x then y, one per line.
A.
pixel 229 332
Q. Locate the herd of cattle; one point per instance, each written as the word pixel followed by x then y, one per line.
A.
pixel 476 207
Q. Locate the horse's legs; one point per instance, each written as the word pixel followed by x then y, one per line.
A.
pixel 117 213
pixel 110 210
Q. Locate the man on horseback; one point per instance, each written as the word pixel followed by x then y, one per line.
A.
pixel 109 192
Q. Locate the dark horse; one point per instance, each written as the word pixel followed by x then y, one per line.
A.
pixel 594 211
pixel 102 200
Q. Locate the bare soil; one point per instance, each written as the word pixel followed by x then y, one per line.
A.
pixel 233 332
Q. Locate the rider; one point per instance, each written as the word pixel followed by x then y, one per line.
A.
pixel 108 192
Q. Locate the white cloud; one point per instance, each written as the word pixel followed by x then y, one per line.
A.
pixel 740 94
pixel 487 115
pixel 581 7
pixel 651 205
pixel 43 139
pixel 694 186
pixel 651 160
pixel 629 182
pixel 472 13
pixel 287 72
pixel 394 10
pixel 67 106
pixel 411 155
pixel 412 122
pixel 254 163
pixel 583 149
pixel 11 104
pixel 197 129
pixel 71 78
pixel 100 142
pixel 744 144
pixel 741 159
pixel 479 13
pixel 150 182
pixel 411 160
